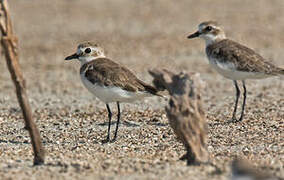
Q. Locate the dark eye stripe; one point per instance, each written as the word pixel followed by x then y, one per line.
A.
pixel 88 50
pixel 208 28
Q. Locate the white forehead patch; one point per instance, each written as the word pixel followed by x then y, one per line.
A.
pixel 202 26
pixel 79 50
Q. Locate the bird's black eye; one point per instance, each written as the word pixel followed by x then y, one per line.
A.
pixel 208 28
pixel 88 50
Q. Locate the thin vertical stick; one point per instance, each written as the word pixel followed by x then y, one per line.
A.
pixel 10 48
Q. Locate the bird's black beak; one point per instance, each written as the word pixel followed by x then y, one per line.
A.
pixel 194 35
pixel 73 56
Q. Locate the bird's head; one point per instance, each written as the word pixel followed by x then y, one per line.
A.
pixel 87 52
pixel 210 31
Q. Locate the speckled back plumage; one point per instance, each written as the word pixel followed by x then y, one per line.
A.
pixel 243 58
pixel 105 72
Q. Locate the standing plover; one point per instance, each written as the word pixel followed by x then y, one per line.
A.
pixel 233 60
pixel 109 81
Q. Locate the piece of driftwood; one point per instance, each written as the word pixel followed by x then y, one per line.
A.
pixel 10 48
pixel 184 111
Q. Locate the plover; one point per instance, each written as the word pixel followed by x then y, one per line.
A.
pixel 233 60
pixel 109 81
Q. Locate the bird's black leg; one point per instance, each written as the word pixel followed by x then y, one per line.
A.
pixel 236 102
pixel 244 101
pixel 109 123
pixel 117 123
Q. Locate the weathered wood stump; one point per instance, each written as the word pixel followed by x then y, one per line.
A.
pixel 184 111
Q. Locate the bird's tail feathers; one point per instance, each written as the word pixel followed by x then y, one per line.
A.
pixel 152 90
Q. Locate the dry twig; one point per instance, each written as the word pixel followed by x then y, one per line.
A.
pixel 10 48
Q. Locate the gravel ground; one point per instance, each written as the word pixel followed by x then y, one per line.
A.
pixel 141 35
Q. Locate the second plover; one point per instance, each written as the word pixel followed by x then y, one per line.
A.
pixel 109 81
pixel 233 60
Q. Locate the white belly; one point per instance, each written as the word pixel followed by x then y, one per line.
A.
pixel 229 71
pixel 109 94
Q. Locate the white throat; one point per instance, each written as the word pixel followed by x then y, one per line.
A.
pixel 86 59
pixel 210 39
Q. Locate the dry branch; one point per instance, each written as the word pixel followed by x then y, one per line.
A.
pixel 10 46
pixel 185 112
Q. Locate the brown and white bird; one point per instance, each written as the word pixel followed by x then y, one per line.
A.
pixel 233 60
pixel 109 81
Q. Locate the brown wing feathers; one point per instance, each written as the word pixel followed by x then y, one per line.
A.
pixel 149 88
pixel 244 58
pixel 108 73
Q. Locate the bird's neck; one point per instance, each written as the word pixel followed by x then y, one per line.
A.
pixel 85 60
pixel 214 39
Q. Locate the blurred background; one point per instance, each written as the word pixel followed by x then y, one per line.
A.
pixel 138 34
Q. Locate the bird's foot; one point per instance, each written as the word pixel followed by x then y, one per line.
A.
pixel 235 120
pixel 114 139
pixel 107 140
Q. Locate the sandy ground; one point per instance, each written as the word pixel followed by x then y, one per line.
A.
pixel 141 35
